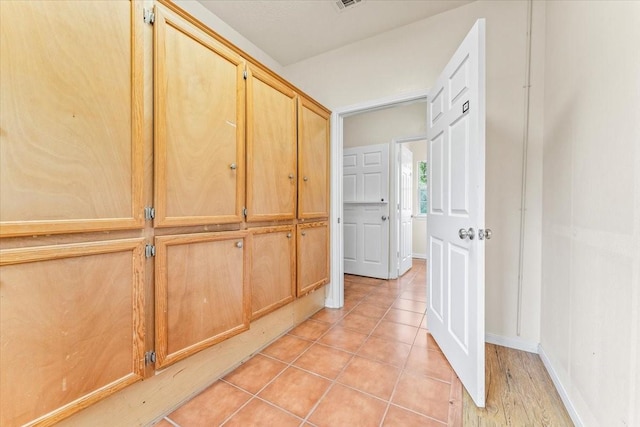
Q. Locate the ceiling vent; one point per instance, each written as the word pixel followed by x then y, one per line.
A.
pixel 342 5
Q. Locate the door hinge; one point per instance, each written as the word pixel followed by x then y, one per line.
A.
pixel 149 357
pixel 244 74
pixel 245 212
pixel 149 213
pixel 149 251
pixel 148 16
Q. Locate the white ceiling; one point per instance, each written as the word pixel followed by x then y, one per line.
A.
pixel 292 30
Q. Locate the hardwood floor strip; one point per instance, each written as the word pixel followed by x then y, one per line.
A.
pixel 519 393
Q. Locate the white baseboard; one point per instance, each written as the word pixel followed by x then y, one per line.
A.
pixel 420 256
pixel 516 343
pixel 560 388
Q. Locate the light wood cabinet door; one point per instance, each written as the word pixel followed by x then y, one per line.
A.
pixel 271 149
pixel 313 160
pixel 312 256
pixel 71 124
pixel 199 126
pixel 202 291
pixel 273 268
pixel 71 327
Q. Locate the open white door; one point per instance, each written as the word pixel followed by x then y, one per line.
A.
pixel 456 144
pixel 405 203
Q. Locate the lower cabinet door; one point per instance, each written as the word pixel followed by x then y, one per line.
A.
pixel 202 292
pixel 71 327
pixel 273 268
pixel 313 256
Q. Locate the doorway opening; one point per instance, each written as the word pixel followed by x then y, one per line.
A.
pixel 335 291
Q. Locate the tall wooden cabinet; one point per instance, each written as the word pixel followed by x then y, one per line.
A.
pixel 97 291
pixel 71 123
pixel 271 149
pixel 199 92
pixel 313 160
pixel 72 313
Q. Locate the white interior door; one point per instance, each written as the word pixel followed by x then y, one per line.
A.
pixel 456 144
pixel 366 210
pixel 405 202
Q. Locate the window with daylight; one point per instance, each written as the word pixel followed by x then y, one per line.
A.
pixel 422 188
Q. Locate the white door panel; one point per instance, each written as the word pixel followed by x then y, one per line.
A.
pixel 365 193
pixel 456 144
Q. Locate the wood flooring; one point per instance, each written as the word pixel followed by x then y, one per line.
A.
pixel 519 393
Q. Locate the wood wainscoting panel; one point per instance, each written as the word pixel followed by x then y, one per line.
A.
pixel 71 79
pixel 202 291
pixel 199 126
pixel 71 329
pixel 273 268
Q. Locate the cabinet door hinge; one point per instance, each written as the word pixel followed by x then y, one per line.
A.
pixel 149 213
pixel 148 16
pixel 245 212
pixel 149 357
pixel 149 251
pixel 244 74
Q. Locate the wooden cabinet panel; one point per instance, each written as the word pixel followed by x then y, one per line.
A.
pixel 273 268
pixel 313 256
pixel 202 291
pixel 70 129
pixel 313 161
pixel 71 327
pixel 271 149
pixel 199 126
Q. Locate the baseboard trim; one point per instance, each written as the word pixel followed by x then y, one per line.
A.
pixel 515 343
pixel 568 404
pixel 419 256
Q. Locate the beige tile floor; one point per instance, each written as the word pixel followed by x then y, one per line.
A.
pixel 371 363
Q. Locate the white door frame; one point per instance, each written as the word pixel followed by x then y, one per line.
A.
pixel 394 176
pixel 334 297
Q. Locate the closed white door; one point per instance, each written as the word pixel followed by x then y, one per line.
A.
pixel 405 202
pixel 366 211
pixel 456 144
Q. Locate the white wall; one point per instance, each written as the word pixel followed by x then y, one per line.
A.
pixel 409 59
pixel 382 126
pixel 591 209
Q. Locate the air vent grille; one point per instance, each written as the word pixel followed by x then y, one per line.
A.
pixel 346 4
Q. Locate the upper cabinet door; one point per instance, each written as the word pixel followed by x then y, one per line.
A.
pixel 71 123
pixel 271 149
pixel 199 126
pixel 313 161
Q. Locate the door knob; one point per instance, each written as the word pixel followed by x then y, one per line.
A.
pixel 470 233
pixel 484 234
pixel 290 176
pixel 239 245
pixel 384 217
pixel 233 166
pixel 305 178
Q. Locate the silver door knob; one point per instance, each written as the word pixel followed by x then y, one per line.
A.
pixel 233 166
pixel 305 178
pixel 384 217
pixel 288 235
pixel 303 233
pixel 484 234
pixel 238 244
pixel 290 176
pixel 470 233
